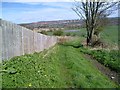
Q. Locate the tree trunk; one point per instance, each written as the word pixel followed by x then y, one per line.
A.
pixel 90 34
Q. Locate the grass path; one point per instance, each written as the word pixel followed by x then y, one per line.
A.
pixel 60 67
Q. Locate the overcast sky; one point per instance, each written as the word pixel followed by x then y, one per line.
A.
pixel 22 11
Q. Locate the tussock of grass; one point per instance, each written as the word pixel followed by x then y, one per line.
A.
pixel 59 67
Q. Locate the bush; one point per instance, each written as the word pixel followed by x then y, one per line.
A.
pixel 67 34
pixel 58 33
pixel 43 32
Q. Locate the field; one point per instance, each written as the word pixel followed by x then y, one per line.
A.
pixel 108 35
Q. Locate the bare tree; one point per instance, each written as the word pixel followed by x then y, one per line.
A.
pixel 92 12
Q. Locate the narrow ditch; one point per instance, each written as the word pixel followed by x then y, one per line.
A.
pixel 114 76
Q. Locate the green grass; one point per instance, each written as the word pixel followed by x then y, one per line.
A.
pixel 107 58
pixel 110 34
pixel 81 32
pixel 59 67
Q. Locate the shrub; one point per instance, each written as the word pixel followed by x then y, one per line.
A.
pixel 73 34
pixel 58 33
pixel 67 34
pixel 43 32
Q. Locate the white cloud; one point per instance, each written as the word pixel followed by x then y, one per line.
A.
pixel 45 14
pixel 47 11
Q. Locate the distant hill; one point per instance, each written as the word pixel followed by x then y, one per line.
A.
pixel 53 24
pixel 113 21
pixel 63 23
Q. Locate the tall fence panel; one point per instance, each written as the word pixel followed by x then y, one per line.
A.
pixel 16 40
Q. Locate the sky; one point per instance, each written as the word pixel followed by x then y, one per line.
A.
pixel 24 11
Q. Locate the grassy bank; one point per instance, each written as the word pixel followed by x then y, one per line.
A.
pixel 59 67
pixel 107 58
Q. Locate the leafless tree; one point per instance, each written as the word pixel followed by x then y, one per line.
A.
pixel 92 12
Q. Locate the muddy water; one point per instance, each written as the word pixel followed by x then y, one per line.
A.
pixel 72 31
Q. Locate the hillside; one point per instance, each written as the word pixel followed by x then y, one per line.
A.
pixel 53 24
pixel 63 23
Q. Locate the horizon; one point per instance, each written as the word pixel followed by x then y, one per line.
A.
pixel 60 20
pixel 26 12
